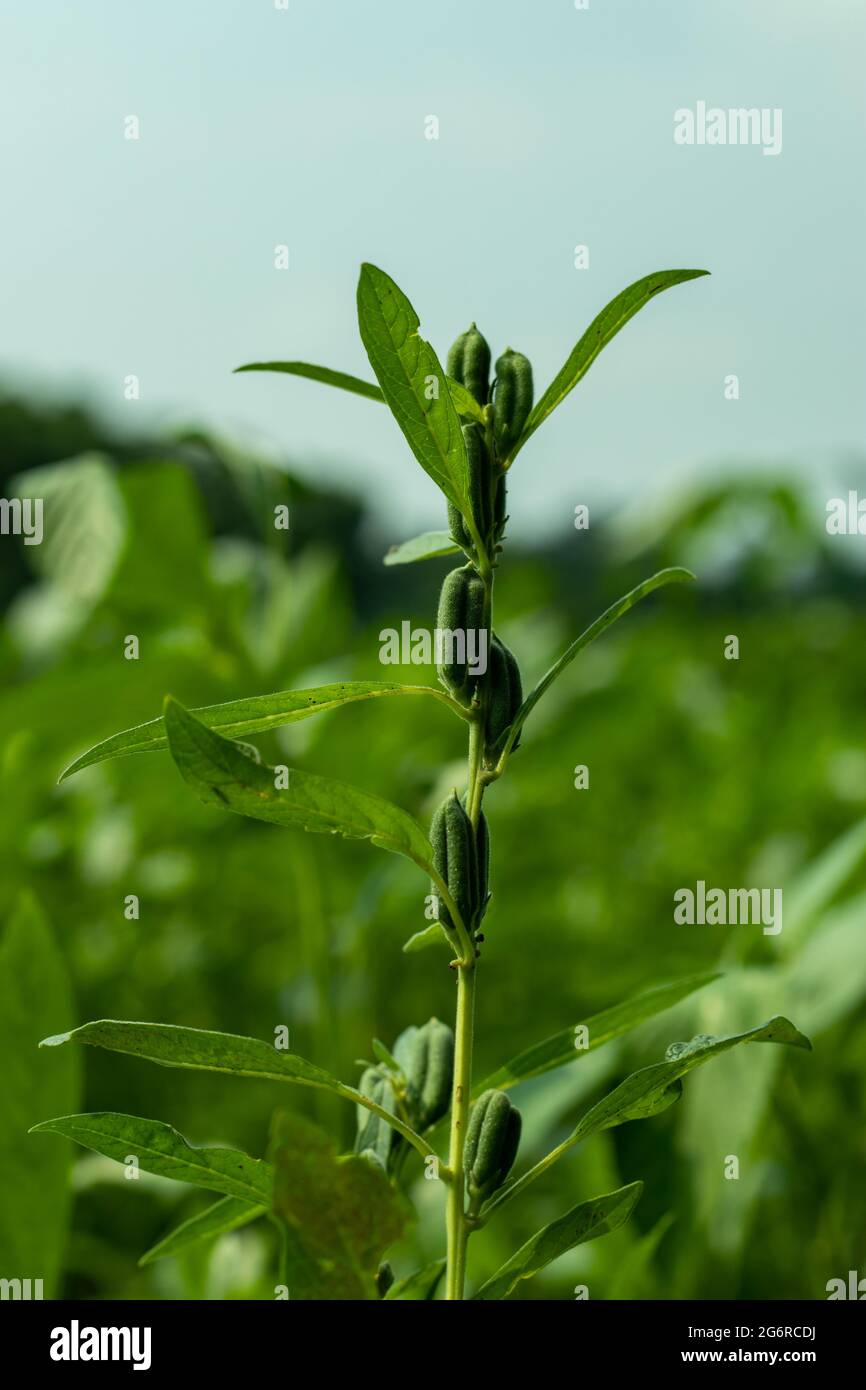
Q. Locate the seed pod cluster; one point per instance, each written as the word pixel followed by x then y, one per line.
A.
pixel 461 858
pixel 461 612
pixel 492 1141
pixel 469 363
pixel 512 400
pixel 504 699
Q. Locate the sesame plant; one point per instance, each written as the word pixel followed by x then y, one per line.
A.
pixel 420 1109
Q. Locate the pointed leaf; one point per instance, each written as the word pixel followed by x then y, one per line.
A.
pixel 326 375
pixel 161 1150
pixel 255 714
pixel 604 327
pixel 221 774
pixel 560 1049
pixel 674 575
pixel 228 1214
pixel 647 1091
pixel 428 546
pixel 427 936
pixel 198 1049
pixel 406 367
pixel 584 1222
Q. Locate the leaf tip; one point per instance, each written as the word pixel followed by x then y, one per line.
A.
pixel 56 1039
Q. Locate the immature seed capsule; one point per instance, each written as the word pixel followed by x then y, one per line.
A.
pixel 374 1135
pixel 426 1055
pixel 469 363
pixel 455 859
pixel 480 490
pixel 512 399
pixel 459 626
pixel 482 854
pixel 492 1141
pixel 505 696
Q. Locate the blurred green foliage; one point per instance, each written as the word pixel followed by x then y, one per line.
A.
pixel 741 773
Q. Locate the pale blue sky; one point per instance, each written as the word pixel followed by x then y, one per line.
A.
pixel 260 126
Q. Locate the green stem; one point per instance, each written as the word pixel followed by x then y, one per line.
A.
pixel 457 1229
pixel 455 1213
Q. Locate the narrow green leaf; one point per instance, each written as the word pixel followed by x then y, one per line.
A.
pixel 586 1221
pixel 326 375
pixel 647 1091
pixel 221 774
pixel 341 1214
pixel 197 1049
pixel 561 1048
pixel 604 327
pixel 428 546
pixel 651 1090
pixel 464 401
pixel 161 1150
pixel 413 383
pixel 228 1214
pixel 255 714
pixel 675 575
pixel 382 1054
pixel 419 1286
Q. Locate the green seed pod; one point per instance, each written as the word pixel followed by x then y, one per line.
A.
pixel 492 1140
pixel 427 1057
pixel 504 699
pixel 469 363
pixel 512 399
pixel 482 855
pixel 455 859
pixel 461 613
pixel 374 1135
pixel 480 488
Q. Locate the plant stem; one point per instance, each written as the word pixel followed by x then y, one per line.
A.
pixel 455 1216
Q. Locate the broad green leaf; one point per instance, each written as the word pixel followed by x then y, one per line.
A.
pixel 413 383
pixel 428 546
pixel 255 714
pixel 161 1150
pixel 221 774
pixel 341 1213
pixel 649 1090
pixel 464 401
pixel 326 375
pixel 560 1049
pixel 197 1049
pixel 427 936
pixel 34 1177
pixel 674 575
pixel 586 1221
pixel 228 1214
pixel 604 327
pixel 419 1286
